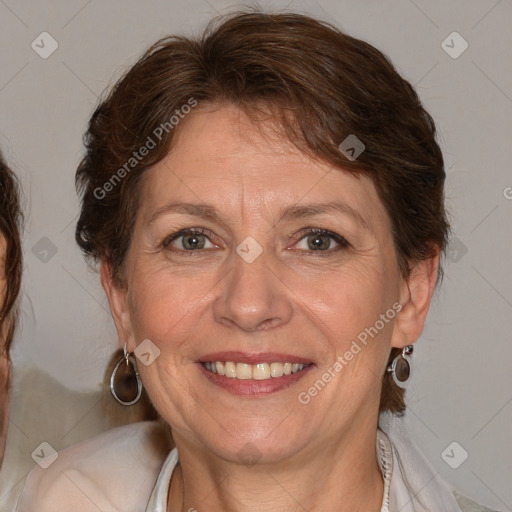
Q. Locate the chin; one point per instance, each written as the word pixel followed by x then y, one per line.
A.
pixel 249 452
pixel 269 442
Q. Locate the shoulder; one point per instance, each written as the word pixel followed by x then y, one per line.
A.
pixel 113 471
pixel 467 505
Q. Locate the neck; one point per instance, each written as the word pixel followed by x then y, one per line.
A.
pixel 343 475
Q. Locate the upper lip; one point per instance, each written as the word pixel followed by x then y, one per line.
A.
pixel 253 357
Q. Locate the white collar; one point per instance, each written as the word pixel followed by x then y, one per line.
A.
pixel 385 460
pixel 415 485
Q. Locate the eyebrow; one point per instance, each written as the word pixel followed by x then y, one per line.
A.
pixel 293 212
pixel 300 211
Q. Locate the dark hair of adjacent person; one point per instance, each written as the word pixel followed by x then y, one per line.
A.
pixel 10 225
pixel 317 83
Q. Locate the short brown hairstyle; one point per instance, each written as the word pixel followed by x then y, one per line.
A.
pixel 319 84
pixel 10 226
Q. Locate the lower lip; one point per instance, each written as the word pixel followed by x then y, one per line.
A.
pixel 252 387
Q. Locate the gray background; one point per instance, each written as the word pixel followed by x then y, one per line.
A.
pixel 462 383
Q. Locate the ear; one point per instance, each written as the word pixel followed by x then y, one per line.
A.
pixel 415 296
pixel 119 306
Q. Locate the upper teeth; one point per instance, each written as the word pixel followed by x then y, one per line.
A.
pixel 260 371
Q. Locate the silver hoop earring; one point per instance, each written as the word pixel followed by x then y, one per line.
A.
pixel 125 383
pixel 401 367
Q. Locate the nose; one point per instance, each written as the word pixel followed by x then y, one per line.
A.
pixel 252 297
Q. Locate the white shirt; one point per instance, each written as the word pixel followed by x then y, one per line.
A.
pixel 129 469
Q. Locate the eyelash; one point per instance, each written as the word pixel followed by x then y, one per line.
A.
pixel 341 241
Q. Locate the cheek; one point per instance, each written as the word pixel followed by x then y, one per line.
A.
pixel 350 300
pixel 348 310
pixel 165 306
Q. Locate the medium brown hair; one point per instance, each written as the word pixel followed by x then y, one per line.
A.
pixel 10 225
pixel 319 84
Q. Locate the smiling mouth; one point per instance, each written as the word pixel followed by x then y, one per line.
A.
pixel 259 371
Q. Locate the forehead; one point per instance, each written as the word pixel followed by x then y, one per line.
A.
pixel 221 155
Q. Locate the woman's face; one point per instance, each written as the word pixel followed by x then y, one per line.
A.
pixel 256 286
pixel 4 364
